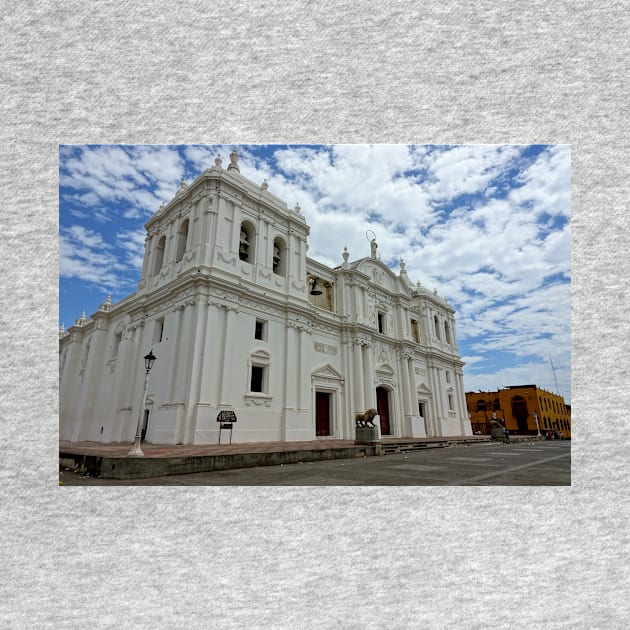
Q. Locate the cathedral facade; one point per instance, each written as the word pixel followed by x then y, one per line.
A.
pixel 241 319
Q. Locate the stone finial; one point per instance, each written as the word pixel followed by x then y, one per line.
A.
pixel 62 331
pixel 264 185
pixel 234 161
pixel 82 320
pixel 218 161
pixel 345 254
pixel 403 266
pixel 435 292
pixel 297 208
pixel 183 184
pixel 107 305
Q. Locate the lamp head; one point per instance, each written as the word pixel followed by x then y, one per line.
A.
pixel 149 360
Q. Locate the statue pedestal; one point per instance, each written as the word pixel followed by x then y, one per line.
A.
pixel 367 435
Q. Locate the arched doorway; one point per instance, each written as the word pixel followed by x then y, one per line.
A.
pixel 382 406
pixel 520 412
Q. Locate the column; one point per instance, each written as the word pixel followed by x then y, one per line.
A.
pixel 304 377
pixel 404 384
pixel 466 429
pixel 357 377
pixel 290 368
pixel 226 360
pixel 368 371
pixel 193 390
pixel 176 353
pixel 413 386
pixel 437 401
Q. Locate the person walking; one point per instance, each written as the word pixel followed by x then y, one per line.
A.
pixel 506 435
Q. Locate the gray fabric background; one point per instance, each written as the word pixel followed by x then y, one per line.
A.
pixel 313 557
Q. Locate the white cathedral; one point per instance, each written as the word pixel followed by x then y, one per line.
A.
pixel 240 319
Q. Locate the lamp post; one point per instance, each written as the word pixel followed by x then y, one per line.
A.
pixel 537 425
pixel 149 360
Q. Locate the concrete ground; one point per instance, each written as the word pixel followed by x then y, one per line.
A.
pixel 541 463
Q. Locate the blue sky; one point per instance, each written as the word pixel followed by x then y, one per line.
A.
pixel 487 226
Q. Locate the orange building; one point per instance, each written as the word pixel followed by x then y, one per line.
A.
pixel 522 409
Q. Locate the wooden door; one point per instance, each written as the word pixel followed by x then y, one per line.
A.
pixel 382 406
pixel 322 413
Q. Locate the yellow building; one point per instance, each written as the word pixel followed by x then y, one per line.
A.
pixel 522 409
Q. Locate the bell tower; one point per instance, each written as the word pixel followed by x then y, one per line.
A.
pixel 224 225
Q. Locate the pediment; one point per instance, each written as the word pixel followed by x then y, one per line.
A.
pixel 423 389
pixel 327 371
pixel 380 274
pixel 385 368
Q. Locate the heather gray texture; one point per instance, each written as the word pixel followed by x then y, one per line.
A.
pixel 489 72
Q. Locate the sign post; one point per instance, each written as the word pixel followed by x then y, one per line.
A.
pixel 226 420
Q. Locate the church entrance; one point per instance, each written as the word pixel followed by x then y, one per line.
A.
pixel 382 406
pixel 322 413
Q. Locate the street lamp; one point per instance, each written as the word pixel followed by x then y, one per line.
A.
pixel 149 360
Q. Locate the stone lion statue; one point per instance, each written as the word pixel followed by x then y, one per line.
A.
pixel 366 419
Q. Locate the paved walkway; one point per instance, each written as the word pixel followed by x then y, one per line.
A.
pixel 102 449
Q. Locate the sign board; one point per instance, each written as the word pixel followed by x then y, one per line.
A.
pixel 226 416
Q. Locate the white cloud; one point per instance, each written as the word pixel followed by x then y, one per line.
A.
pixel 488 251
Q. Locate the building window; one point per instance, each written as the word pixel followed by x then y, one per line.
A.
pixel 421 409
pixel 159 256
pixel 450 403
pixel 436 325
pixel 447 333
pixel 158 330
pixel 481 405
pixel 496 404
pixel 182 239
pixel 381 322
pixel 259 363
pixel 260 330
pixel 246 242
pixel 448 376
pixel 257 383
pixel 279 257
pixel 415 331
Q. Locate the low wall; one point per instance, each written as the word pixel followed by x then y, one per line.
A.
pixel 146 467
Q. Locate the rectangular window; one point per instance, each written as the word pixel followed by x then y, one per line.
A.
pixel 421 409
pixel 260 331
pixel 158 330
pixel 450 402
pixel 448 376
pixel 381 323
pixel 258 379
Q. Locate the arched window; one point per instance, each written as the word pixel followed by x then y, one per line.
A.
pixel 279 256
pixel 246 244
pixel 436 325
pixel 182 239
pixel 496 405
pixel 481 405
pixel 447 333
pixel 159 256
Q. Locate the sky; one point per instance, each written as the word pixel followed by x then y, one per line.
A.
pixel 488 226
